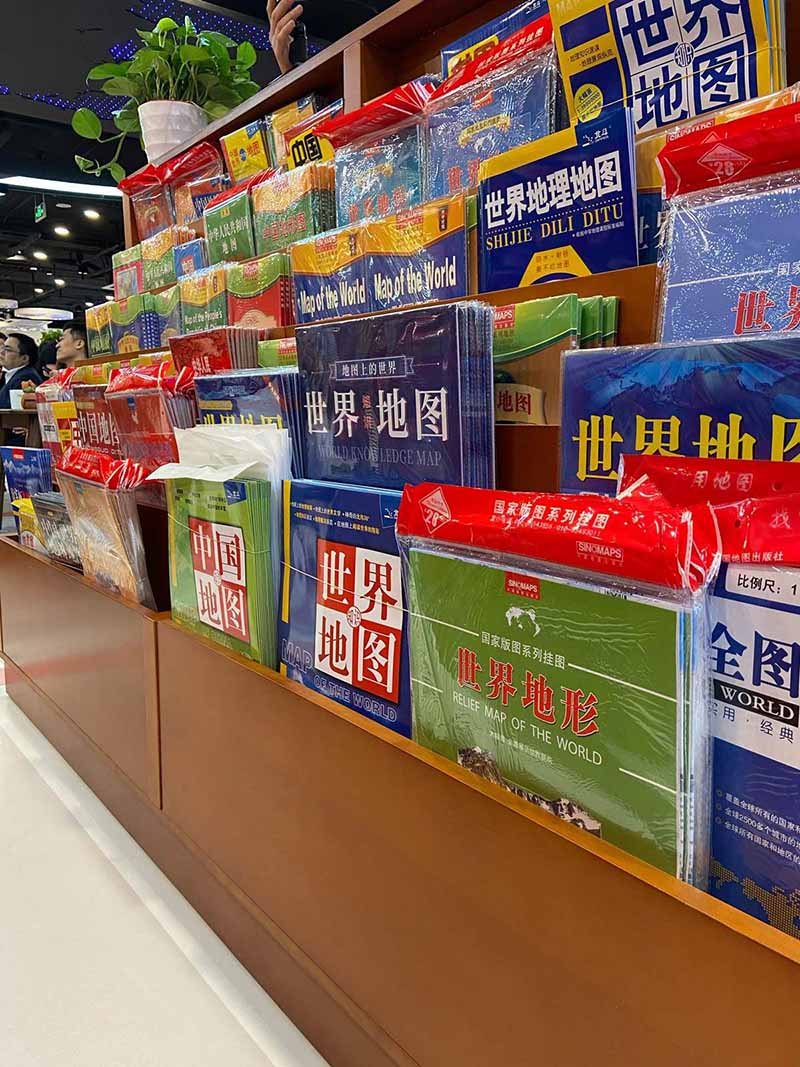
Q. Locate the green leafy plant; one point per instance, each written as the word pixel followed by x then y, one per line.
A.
pixel 49 335
pixel 200 67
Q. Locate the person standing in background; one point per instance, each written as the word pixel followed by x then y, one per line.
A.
pixel 72 346
pixel 283 18
pixel 18 356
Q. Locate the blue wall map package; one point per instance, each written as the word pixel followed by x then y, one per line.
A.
pixel 562 207
pixel 504 98
pixel 342 629
pixel 727 400
pixel 402 397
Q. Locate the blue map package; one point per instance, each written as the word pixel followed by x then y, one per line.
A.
pixel 190 257
pixel 342 629
pixel 27 470
pixel 560 208
pixel 726 400
pixel 489 116
pixel 755 666
pixel 382 174
pixel 255 398
pixel 732 263
pixel 491 33
pixel 400 398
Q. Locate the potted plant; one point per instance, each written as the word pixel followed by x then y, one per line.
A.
pixel 178 81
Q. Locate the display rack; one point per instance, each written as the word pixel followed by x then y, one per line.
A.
pixel 400 910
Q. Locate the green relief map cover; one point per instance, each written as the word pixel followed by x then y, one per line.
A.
pixel 571 697
pixel 221 565
pixel 528 341
pixel 591 321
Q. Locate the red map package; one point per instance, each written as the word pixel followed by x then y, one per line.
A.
pixel 677 548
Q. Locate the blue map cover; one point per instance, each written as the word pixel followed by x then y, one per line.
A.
pixel 255 398
pixel 342 629
pixel 728 400
pixel 732 264
pixel 562 207
pixel 27 470
pixel 487 117
pixel 190 257
pixel 491 33
pixel 380 176
pixel 396 399
pixel 755 663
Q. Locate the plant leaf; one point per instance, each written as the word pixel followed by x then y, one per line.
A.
pixel 209 80
pixel 188 25
pixel 86 165
pixel 86 124
pixel 216 111
pixel 127 120
pixel 247 90
pixel 246 56
pixel 165 25
pixel 148 37
pixel 143 60
pixel 192 53
pixel 223 94
pixel 219 38
pixel 106 70
pixel 117 171
pixel 221 57
pixel 122 87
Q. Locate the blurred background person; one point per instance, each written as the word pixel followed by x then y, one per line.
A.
pixel 19 356
pixel 48 359
pixel 72 346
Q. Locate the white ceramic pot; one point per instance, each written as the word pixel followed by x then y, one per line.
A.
pixel 166 124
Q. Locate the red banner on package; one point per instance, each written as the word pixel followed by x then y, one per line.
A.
pixel 677 548
pixel 754 146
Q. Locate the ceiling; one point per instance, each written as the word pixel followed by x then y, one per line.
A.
pixel 42 82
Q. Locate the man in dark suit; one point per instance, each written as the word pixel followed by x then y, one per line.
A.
pixel 18 356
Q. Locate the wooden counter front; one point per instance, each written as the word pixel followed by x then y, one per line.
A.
pixel 91 653
pixel 469 928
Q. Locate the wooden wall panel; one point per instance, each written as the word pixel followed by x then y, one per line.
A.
pixel 470 928
pixel 333 1024
pixel 92 654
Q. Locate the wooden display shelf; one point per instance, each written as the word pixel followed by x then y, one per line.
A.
pixel 91 653
pixel 399 909
pixel 469 927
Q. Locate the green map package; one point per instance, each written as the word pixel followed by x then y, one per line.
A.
pixel 221 568
pixel 610 321
pixel 575 687
pixel 528 341
pixel 591 327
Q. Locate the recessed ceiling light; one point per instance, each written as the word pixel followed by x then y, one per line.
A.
pixel 37 290
pixel 64 207
pixel 91 213
pixel 49 274
pixel 62 231
pixel 33 268
pixel 88 303
pixel 38 254
pixel 15 258
pixel 109 297
pixel 59 281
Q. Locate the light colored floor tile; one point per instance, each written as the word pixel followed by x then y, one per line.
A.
pixel 102 962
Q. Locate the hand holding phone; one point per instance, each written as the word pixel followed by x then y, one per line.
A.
pixel 284 32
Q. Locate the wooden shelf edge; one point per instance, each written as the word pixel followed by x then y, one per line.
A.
pixel 81 579
pixel 700 902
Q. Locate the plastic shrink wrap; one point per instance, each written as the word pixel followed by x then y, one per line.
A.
pixel 100 497
pixel 379 153
pixel 505 97
pixel 557 650
pixel 754 659
pixel 731 248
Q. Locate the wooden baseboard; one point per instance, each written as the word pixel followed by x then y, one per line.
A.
pixel 336 1026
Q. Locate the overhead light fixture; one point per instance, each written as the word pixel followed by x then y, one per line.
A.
pixel 33 268
pixel 42 313
pixel 91 213
pixel 61 231
pixel 109 297
pixel 38 254
pixel 64 207
pixel 59 281
pixel 38 290
pixel 78 188
pixel 88 303
pixel 15 258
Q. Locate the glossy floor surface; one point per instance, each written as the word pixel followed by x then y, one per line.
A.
pixel 102 962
